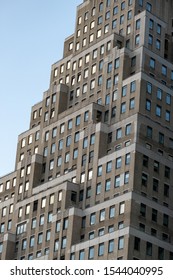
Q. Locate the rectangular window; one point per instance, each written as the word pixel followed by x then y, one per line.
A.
pixel 121 208
pixel 117 181
pixel 24 244
pixel 152 63
pixel 102 215
pixel 56 245
pixel 91 253
pixel 108 185
pixel 149 249
pixel 101 249
pixel 92 219
pixel 111 212
pixel 133 86
pixel 121 243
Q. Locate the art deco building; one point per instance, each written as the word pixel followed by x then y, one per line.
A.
pixel 94 173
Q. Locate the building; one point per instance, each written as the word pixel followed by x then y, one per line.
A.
pixel 94 172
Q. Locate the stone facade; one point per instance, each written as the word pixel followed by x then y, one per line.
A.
pixel 93 174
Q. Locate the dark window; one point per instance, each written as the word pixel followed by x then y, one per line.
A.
pixel 137 244
pixel 154 215
pixel 149 249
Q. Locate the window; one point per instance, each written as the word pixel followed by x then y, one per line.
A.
pixel 99 33
pixel 58 225
pixel 123 107
pixel 149 7
pixel 129 15
pixel 132 104
pixel 118 163
pixel 98 188
pixel 43 202
pixel 116 78
pixel 149 249
pixel 102 215
pixel 2 228
pixel 41 220
pixel 90 174
pixel 108 166
pixel 81 255
pixel 144 179
pixel 114 23
pixel 106 28
pixel 82 180
pixel 101 249
pixel 62 128
pixel 149 88
pixel 78 118
pixel 63 242
pixel 165 220
pixel 32 240
pixel 51 164
pixel 46 135
pixel 148 105
pixel 75 153
pixel 167 172
pixel 101 7
pixel 159 28
pixel 4 211
pixel 155 185
pixel 23 142
pixel 152 63
pixel 167 116
pixel 59 161
pixel 166 190
pixel 158 110
pixel 150 39
pixel 85 142
pixel 24 244
pixel 91 253
pixel 120 242
pixel 1 247
pixel 34 223
pixel 149 132
pixel 121 19
pixel 1 188
pixel 117 181
pixel 115 10
pixel 100 79
pixel 108 185
pixel 128 129
pixel 154 215
pixel 164 70
pixel 22 172
pixel 137 39
pixel 99 170
pixel 76 138
pixel 121 208
pixel 49 217
pixel 158 44
pixel 92 218
pixel 138 24
pixel 27 210
pixel 137 244
pixel 133 86
pixel 112 212
pixel 56 245
pixel 107 99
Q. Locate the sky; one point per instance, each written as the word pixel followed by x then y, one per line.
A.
pixel 32 34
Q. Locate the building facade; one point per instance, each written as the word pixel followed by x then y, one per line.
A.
pixel 94 172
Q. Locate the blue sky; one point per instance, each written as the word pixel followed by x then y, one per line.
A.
pixel 32 34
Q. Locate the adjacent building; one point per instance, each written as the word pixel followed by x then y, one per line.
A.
pixel 94 172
